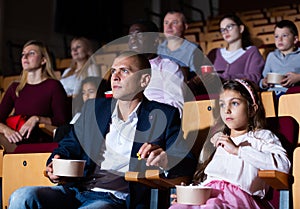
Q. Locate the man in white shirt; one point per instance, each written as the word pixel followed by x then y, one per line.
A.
pixel 167 80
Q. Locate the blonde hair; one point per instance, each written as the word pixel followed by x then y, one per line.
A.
pixel 47 68
pixel 83 71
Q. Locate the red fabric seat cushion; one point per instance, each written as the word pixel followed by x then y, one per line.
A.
pixel 36 147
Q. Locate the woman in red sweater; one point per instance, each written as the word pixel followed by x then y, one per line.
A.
pixel 38 97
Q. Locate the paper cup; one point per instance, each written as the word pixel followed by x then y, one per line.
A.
pixel 192 195
pixel 274 78
pixel 108 94
pixel 207 69
pixel 70 168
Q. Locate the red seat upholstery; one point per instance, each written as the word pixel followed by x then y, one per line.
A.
pixel 36 147
pixel 287 129
pixel 206 96
pixel 293 90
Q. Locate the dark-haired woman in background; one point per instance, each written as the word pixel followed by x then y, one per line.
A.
pixel 239 59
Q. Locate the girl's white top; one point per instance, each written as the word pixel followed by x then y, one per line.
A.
pixel 264 153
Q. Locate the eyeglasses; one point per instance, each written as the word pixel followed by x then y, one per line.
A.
pixel 227 28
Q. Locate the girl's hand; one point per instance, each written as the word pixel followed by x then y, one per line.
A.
pixel 12 135
pixel 214 139
pixel 174 198
pixel 290 79
pixel 154 155
pixel 226 142
pixel 28 126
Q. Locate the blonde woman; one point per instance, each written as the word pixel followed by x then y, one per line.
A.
pixel 38 98
pixel 81 50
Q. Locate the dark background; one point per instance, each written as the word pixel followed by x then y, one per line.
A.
pixel 56 21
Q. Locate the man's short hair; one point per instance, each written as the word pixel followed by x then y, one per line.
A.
pixel 183 18
pixel 143 62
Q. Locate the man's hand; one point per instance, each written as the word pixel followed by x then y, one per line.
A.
pixel 49 172
pixel 154 155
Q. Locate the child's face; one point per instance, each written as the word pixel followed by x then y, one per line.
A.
pixel 234 110
pixel 89 91
pixel 285 40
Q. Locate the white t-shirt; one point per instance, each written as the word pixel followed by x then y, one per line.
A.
pixel 231 56
pixel 72 83
pixel 166 83
pixel 264 153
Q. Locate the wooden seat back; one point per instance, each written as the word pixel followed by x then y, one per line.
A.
pixel 268 99
pixel 23 170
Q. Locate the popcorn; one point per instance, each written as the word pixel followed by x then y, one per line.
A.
pixel 139 156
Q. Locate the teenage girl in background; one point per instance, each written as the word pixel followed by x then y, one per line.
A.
pixel 239 58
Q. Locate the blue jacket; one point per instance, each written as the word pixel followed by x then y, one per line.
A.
pixel 157 123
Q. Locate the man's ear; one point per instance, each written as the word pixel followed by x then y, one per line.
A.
pixel 145 79
pixel 296 39
pixel 186 26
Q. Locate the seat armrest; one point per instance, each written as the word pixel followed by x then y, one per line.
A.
pixel 276 179
pixel 154 179
pixel 48 129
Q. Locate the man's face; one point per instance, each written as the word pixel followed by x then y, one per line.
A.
pixel 140 41
pixel 126 78
pixel 174 25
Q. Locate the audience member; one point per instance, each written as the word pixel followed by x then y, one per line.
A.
pixel 89 89
pixel 132 126
pixel 81 50
pixel 175 47
pixel 285 59
pixel 243 146
pixel 239 59
pixel 38 98
pixel 167 80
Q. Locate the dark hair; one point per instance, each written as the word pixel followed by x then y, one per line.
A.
pixel 287 24
pixel 148 24
pixel 246 37
pixel 102 84
pixel 258 120
pixel 91 79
